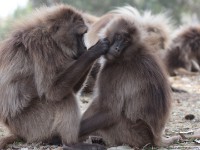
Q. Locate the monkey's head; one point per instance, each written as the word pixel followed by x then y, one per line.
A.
pixel 187 39
pixel 156 31
pixel 121 32
pixel 65 25
pixel 191 40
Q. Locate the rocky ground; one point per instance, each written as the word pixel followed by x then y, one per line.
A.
pixel 185 117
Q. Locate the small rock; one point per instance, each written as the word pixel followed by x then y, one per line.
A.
pixel 197 141
pixel 189 117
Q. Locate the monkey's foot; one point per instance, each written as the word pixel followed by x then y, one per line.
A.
pixel 96 140
pixel 84 146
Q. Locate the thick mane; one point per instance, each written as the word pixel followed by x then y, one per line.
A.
pixel 161 21
pixel 127 11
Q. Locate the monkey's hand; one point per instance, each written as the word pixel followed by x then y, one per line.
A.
pixel 102 46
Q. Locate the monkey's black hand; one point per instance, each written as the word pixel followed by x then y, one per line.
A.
pixel 102 46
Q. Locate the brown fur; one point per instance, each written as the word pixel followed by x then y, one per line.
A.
pixel 184 51
pixel 132 100
pixel 42 66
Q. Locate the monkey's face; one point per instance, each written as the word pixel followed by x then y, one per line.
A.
pixel 121 35
pixel 69 34
pixel 79 43
pixel 119 43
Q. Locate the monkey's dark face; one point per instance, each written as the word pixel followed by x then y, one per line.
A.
pixel 79 45
pixel 69 33
pixel 121 33
pixel 119 43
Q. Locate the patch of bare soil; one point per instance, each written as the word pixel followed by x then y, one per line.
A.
pixel 184 105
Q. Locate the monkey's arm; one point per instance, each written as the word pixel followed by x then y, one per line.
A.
pixel 47 59
pixel 98 121
pixel 78 86
pixel 69 79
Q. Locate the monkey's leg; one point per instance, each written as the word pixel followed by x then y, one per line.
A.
pixel 7 140
pixel 67 120
pixel 67 123
pixel 135 134
pixel 138 134
pixel 91 110
pixel 99 120
pixel 36 124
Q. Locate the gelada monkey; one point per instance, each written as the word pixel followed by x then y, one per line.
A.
pixel 43 63
pixel 132 99
pixel 184 52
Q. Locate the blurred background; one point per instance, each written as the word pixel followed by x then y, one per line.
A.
pixel 180 11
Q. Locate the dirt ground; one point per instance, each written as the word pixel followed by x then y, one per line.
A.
pixel 183 104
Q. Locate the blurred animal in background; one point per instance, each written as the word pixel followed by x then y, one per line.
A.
pixel 183 56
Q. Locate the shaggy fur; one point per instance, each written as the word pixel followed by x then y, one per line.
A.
pixel 42 66
pixel 184 52
pixel 132 101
